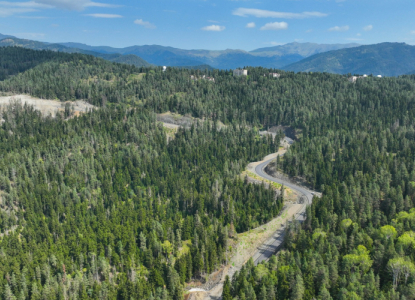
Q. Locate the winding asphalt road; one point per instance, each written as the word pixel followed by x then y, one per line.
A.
pixel 271 246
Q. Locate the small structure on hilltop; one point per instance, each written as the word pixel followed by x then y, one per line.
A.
pixel 379 76
pixel 354 78
pixel 204 77
pixel 164 68
pixel 240 72
pixel 275 75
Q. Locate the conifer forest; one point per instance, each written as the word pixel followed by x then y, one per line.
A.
pixel 108 205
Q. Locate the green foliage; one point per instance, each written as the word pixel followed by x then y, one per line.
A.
pixel 102 206
pixel 360 259
pixel 130 59
pixel 407 240
pixel 388 231
pixel 102 203
pixel 16 60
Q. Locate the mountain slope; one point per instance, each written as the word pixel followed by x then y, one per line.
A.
pixel 224 59
pixel 272 57
pixel 35 45
pixel 3 36
pixel 15 60
pixel 387 59
pixel 303 49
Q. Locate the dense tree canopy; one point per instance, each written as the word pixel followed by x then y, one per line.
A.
pixel 102 206
pixel 95 204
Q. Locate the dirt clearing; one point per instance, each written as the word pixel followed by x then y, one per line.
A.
pixel 47 107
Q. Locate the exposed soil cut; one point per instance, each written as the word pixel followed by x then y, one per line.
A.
pixel 47 107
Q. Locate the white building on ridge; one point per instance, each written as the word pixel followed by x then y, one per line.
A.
pixel 239 72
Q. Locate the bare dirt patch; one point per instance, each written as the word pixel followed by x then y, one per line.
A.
pixel 47 107
pixel 248 242
pixel 197 295
pixel 176 119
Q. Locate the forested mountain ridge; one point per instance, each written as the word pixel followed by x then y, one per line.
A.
pixel 34 45
pixel 3 36
pixel 303 49
pixel 14 61
pixel 101 206
pixel 272 57
pixel 386 59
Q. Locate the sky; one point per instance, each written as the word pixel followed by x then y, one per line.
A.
pixel 210 24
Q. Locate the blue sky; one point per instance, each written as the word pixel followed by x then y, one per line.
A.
pixel 210 24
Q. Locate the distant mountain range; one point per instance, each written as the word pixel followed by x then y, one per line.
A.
pixel 114 57
pixel 302 49
pixel 2 36
pixel 387 59
pixel 272 57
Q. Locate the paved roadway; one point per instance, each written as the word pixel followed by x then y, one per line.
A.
pixel 271 246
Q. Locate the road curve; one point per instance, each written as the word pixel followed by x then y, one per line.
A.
pixel 272 245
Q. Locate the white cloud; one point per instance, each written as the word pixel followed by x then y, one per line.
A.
pixel 354 39
pixel 309 30
pixel 260 13
pixel 214 28
pixel 73 4
pixel 97 4
pixel 275 26
pixel 33 17
pixel 413 32
pixel 105 16
pixel 65 4
pixel 339 28
pixel 29 4
pixel 368 28
pixel 5 12
pixel 8 8
pixel 250 25
pixel 146 24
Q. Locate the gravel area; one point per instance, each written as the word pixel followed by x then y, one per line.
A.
pixel 47 107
